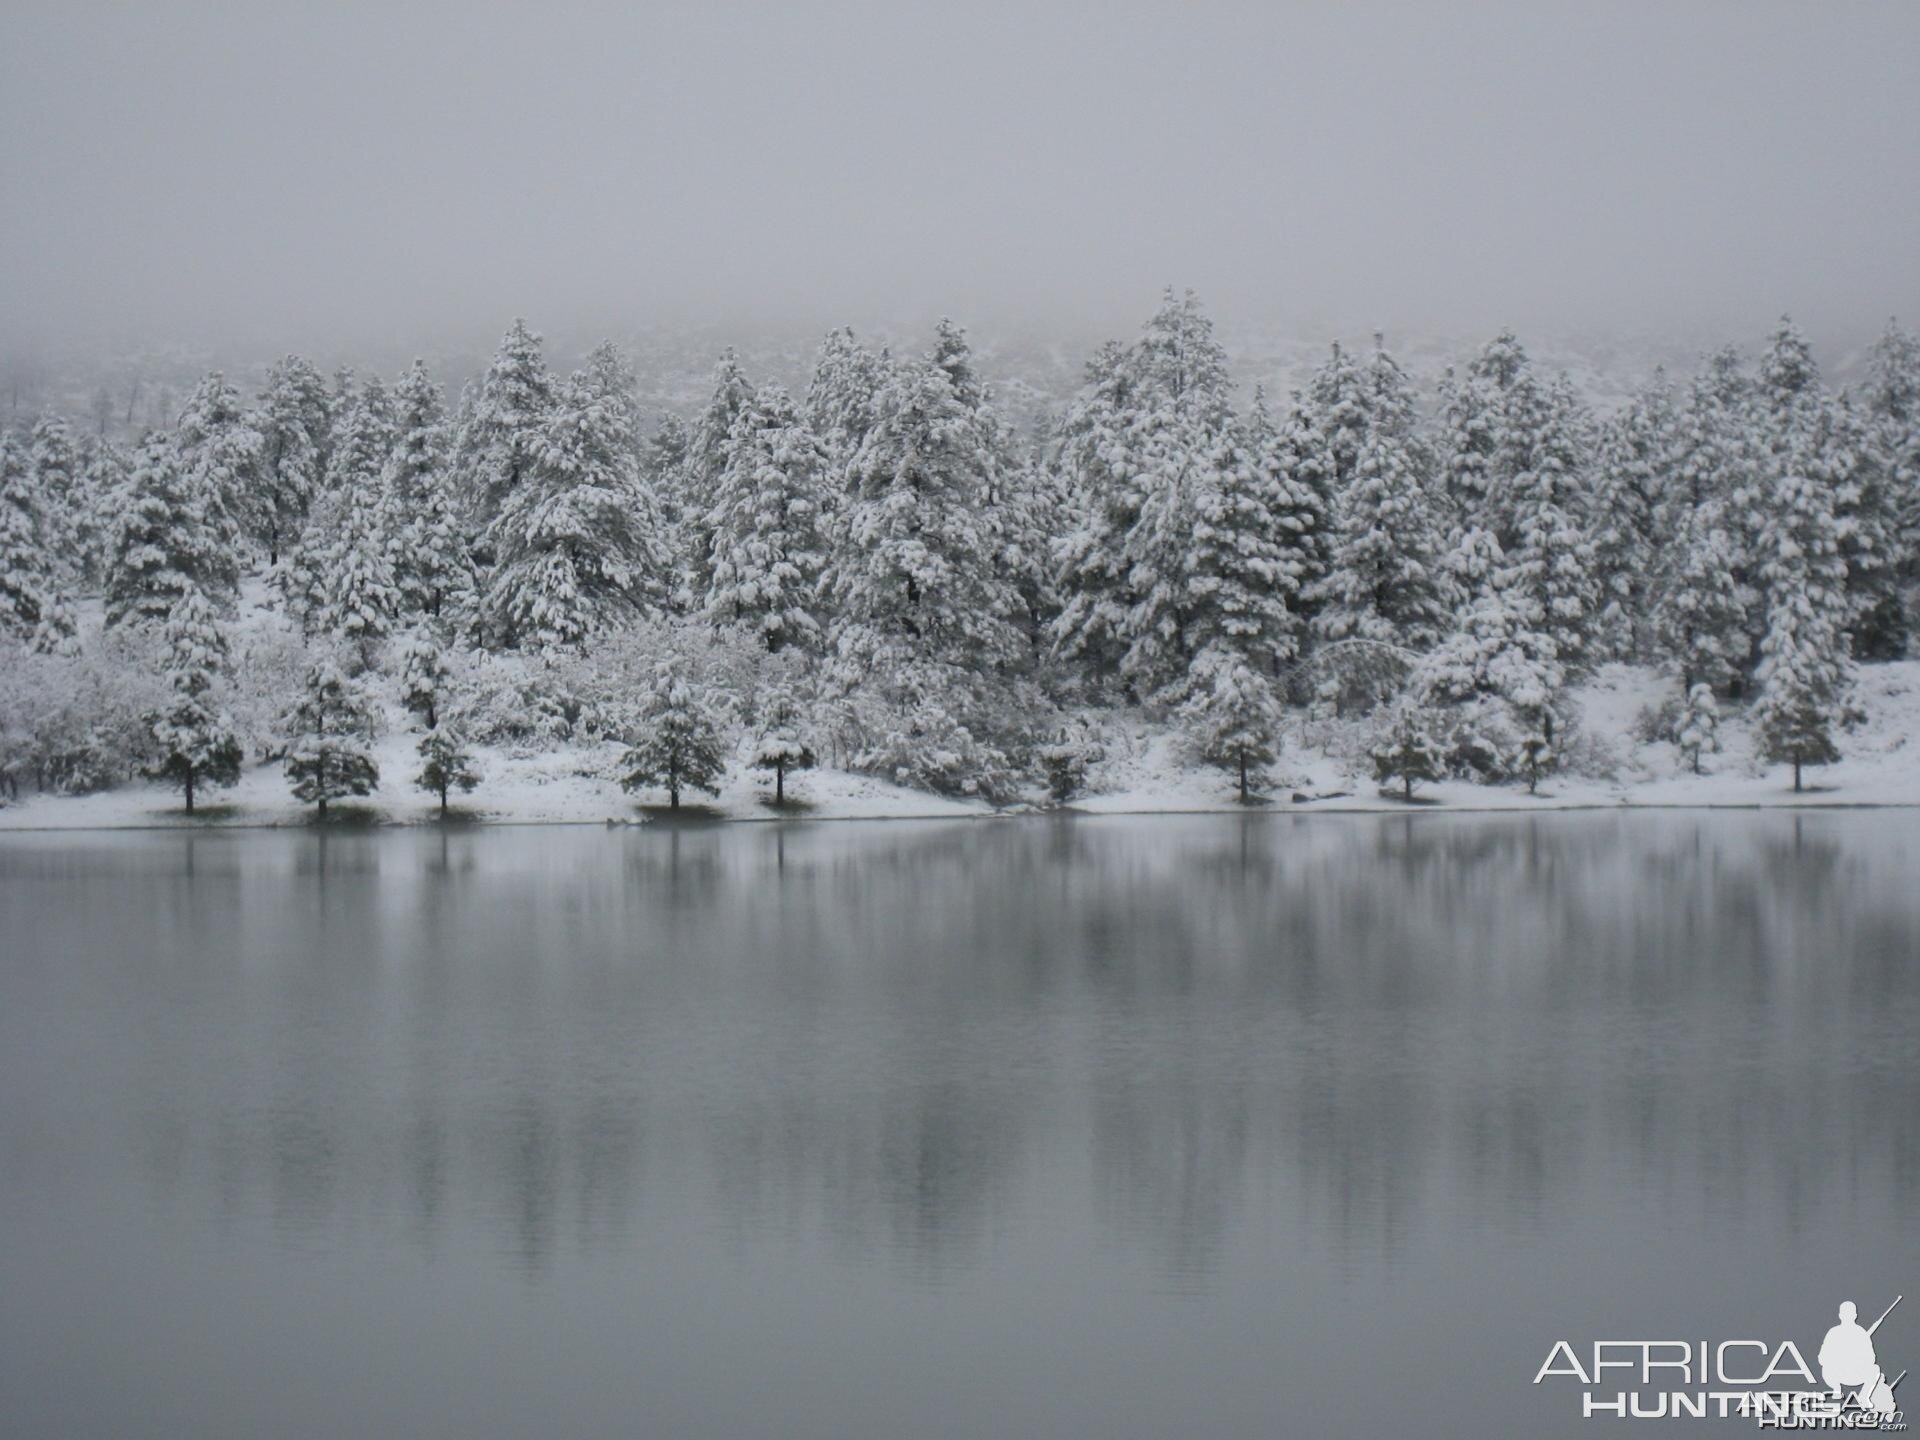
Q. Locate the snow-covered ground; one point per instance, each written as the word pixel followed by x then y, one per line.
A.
pixel 1144 772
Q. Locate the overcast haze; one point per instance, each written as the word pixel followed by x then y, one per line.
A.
pixel 321 174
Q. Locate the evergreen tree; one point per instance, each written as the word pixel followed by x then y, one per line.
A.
pixel 1893 411
pixel 105 495
pixel 916 583
pixel 1130 455
pixel 840 403
pixel 219 450
pixel 505 427
pixel 780 742
pixel 164 543
pixel 1636 450
pixel 1406 752
pixel 445 764
pixel 1699 725
pixel 292 420
pixel 679 746
pixel 1243 574
pixel 360 602
pixel 706 461
pixel 196 745
pixel 426 547
pixel 768 526
pixel 1549 561
pixel 53 464
pixel 1232 716
pixel 31 602
pixel 424 677
pixel 1805 673
pixel 329 729
pixel 1485 416
pixel 1339 406
pixel 1386 579
pixel 576 544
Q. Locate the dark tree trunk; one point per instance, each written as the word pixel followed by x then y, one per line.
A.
pixel 443 801
pixel 1243 777
pixel 780 783
pixel 189 790
pixel 1406 788
pixel 1796 773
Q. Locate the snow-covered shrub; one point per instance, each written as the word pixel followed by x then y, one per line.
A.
pixel 1661 724
pixel 928 748
pixel 1076 747
pixel 76 723
pixel 1405 751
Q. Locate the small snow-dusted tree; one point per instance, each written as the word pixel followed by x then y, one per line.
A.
pixel 328 733
pixel 445 764
pixel 195 742
pixel 425 677
pixel 1067 757
pixel 1699 725
pixel 708 446
pixel 163 544
pixel 767 526
pixel 1232 717
pixel 1795 724
pixel 678 746
pixel 31 603
pixel 780 742
pixel 1406 752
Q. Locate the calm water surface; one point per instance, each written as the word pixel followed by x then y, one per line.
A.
pixel 1110 1128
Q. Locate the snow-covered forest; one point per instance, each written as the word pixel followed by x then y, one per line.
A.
pixel 885 576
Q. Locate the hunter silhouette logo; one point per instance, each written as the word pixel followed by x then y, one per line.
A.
pixel 1768 1382
pixel 1848 1362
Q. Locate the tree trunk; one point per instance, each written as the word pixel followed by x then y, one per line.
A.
pixel 1696 759
pixel 323 805
pixel 1406 783
pixel 1796 773
pixel 673 796
pixel 443 802
pixel 432 722
pixel 1243 777
pixel 780 784
pixel 189 790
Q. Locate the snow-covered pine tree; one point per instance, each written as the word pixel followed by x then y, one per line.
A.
pixel 446 764
pixel 360 602
pixel 839 407
pixel 1634 459
pixel 53 466
pixel 1699 724
pixel 1484 414
pixel 768 526
pixel 105 478
pixel 505 425
pixel 292 419
pixel 678 746
pixel 329 730
pixel 426 542
pixel 1232 716
pixel 163 543
pixel 1246 568
pixel 1338 404
pixel 424 676
pixel 1892 402
pixel 576 544
pixel 1406 751
pixel 1807 430
pixel 32 603
pixel 706 462
pixel 1131 452
pixel 1805 672
pixel 220 456
pixel 1386 579
pixel 916 582
pixel 194 740
pixel 1299 463
pixel 1549 560
pixel 780 741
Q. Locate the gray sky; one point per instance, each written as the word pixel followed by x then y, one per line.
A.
pixel 321 173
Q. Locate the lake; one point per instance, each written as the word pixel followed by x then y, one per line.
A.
pixel 1170 1126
